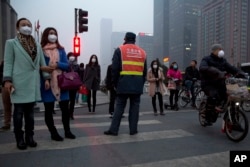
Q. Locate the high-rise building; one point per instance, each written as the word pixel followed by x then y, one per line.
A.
pixel 105 45
pixel 161 29
pixel 8 20
pixel 117 39
pixel 176 29
pixel 226 22
pixel 145 41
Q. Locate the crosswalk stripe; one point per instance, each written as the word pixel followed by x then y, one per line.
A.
pixel 215 160
pixel 87 125
pixel 41 118
pixel 97 140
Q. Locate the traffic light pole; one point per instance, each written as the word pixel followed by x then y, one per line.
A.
pixel 76 21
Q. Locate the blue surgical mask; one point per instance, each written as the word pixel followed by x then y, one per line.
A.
pixel 175 66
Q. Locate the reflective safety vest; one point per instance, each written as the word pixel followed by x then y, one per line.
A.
pixel 133 58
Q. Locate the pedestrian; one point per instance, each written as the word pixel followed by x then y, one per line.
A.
pixel 175 75
pixel 155 78
pixel 191 76
pixel 7 106
pixel 56 59
pixel 129 72
pixel 110 87
pixel 73 66
pixel 23 58
pixel 92 78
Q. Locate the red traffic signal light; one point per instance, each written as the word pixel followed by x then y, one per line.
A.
pixel 76 46
pixel 82 21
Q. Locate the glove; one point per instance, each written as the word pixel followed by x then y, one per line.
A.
pixel 221 75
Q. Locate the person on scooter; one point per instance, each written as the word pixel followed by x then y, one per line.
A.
pixel 213 69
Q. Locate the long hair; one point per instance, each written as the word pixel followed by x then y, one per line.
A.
pixel 90 62
pixel 45 40
pixel 155 71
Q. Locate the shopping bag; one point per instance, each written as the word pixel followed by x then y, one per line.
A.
pixel 171 85
pixel 84 98
pixel 83 90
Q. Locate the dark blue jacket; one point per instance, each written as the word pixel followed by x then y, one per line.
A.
pixel 126 84
pixel 212 67
pixel 47 95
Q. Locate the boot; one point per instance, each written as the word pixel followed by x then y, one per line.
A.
pixel 176 108
pixel 30 141
pixel 69 135
pixel 21 145
pixel 55 136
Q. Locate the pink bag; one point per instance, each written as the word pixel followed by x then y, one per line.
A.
pixel 69 81
pixel 171 85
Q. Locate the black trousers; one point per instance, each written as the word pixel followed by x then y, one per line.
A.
pixel 25 110
pixel 49 107
pixel 173 96
pixel 112 100
pixel 72 100
pixel 89 99
pixel 160 99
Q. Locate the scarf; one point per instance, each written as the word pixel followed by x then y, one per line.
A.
pixel 29 45
pixel 52 53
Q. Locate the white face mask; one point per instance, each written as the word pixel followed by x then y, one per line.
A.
pixel 25 30
pixel 93 60
pixel 52 38
pixel 71 58
pixel 221 54
pixel 155 66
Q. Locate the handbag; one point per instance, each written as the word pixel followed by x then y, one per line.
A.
pixel 69 81
pixel 171 85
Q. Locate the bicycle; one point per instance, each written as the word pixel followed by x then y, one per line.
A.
pixel 185 97
pixel 235 122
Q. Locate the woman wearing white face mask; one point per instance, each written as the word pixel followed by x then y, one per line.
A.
pixel 155 78
pixel 73 93
pixel 92 78
pixel 56 59
pixel 23 58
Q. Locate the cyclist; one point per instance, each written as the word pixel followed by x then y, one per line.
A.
pixel 191 76
pixel 213 69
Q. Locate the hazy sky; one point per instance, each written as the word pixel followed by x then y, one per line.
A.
pixel 127 15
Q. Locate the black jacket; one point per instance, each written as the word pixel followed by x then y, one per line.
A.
pixel 126 84
pixel 212 68
pixel 92 77
pixel 191 73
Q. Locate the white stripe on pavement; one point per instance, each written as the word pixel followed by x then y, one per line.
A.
pixel 97 140
pixel 87 125
pixel 208 160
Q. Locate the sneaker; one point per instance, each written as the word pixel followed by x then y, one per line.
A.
pixel 5 128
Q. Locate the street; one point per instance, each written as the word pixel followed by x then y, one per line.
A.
pixel 176 139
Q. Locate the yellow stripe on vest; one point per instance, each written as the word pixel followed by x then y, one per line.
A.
pixel 133 63
pixel 131 73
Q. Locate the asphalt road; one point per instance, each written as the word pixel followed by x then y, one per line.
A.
pixel 175 139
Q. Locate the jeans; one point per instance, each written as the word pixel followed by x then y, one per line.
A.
pixel 160 102
pixel 49 107
pixel 173 95
pixel 112 101
pixel 190 87
pixel 72 100
pixel 121 101
pixel 25 110
pixel 89 99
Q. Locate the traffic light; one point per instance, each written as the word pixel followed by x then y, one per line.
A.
pixel 76 46
pixel 82 21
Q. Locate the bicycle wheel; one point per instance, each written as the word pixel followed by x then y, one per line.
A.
pixel 202 113
pixel 245 105
pixel 183 98
pixel 198 98
pixel 236 128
